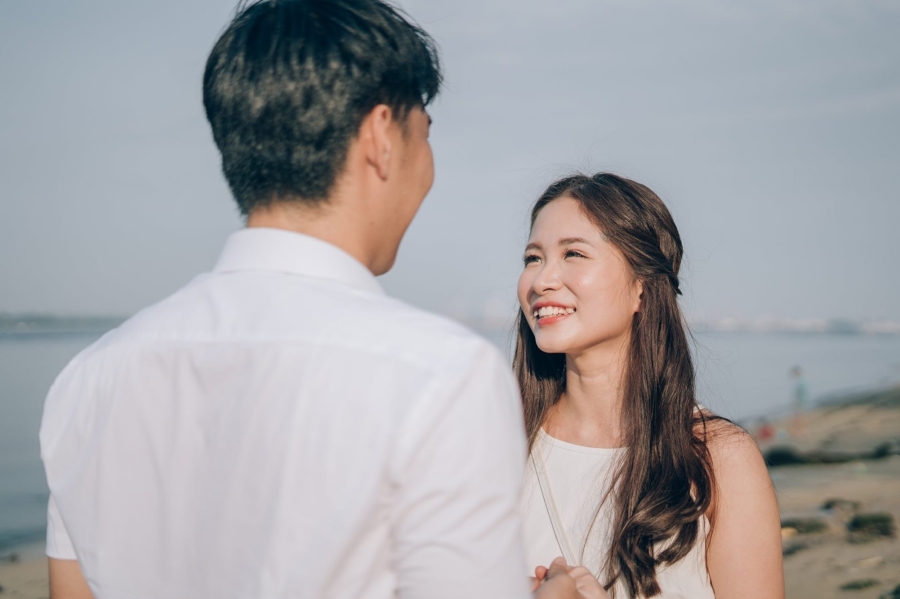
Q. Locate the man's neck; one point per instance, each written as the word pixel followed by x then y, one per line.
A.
pixel 324 221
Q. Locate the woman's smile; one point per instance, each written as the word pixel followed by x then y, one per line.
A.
pixel 547 313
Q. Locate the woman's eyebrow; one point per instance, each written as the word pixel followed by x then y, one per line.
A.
pixel 571 240
pixel 534 245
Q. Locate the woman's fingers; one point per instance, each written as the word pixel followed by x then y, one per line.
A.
pixel 558 566
pixel 577 572
pixel 558 584
pixel 587 584
pixel 550 583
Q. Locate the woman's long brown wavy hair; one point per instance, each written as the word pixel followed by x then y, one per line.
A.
pixel 663 486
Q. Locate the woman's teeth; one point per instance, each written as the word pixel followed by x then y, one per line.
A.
pixel 552 311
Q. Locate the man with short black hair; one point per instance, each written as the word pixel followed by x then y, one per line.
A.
pixel 279 427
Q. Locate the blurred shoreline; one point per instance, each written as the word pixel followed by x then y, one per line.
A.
pixel 36 325
pixel 502 322
pixel 820 326
pixel 493 325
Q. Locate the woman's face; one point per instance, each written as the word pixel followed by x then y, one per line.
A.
pixel 576 290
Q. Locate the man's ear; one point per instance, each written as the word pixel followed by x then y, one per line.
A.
pixel 374 133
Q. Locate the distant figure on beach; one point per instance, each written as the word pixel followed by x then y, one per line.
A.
pixel 280 427
pixel 799 403
pixel 765 432
pixel 628 475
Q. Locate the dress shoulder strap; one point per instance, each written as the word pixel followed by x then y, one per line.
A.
pixel 562 539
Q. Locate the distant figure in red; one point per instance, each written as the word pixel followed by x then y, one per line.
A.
pixel 765 432
pixel 800 402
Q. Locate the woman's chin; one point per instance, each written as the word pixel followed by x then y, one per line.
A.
pixel 553 346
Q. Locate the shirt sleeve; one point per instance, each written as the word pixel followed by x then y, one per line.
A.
pixel 458 473
pixel 59 546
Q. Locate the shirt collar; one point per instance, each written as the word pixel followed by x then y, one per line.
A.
pixel 278 250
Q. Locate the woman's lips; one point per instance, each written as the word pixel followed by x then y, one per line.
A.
pixel 547 314
pixel 548 320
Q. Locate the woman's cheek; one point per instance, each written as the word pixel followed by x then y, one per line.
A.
pixel 584 285
pixel 523 291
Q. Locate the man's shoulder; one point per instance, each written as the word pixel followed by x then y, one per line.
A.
pixel 297 311
pixel 426 333
pixel 417 321
pixel 392 328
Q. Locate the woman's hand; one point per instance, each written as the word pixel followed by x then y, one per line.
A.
pixel 540 573
pixel 585 586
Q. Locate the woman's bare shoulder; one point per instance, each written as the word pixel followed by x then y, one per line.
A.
pixel 738 465
pixel 744 550
pixel 725 439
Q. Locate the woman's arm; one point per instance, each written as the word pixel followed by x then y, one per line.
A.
pixel 744 551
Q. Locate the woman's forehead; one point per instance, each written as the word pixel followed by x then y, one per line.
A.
pixel 564 218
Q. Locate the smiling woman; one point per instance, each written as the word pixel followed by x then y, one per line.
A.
pixel 630 477
pixel 597 280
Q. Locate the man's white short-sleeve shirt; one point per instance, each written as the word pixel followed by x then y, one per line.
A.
pixel 281 428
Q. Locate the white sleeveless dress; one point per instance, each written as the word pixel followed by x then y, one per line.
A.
pixel 578 477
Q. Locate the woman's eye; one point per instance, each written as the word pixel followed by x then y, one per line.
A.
pixel 528 259
pixel 574 254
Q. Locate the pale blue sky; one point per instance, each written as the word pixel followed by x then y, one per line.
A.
pixel 770 127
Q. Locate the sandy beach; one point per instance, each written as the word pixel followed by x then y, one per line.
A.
pixel 818 564
pixel 824 556
pixel 23 573
pixel 821 503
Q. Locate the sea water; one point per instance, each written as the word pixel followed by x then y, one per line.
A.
pixel 28 365
pixel 740 375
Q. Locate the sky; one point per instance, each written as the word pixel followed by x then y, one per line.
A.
pixel 771 128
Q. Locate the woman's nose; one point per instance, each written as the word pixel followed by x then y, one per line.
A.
pixel 547 279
